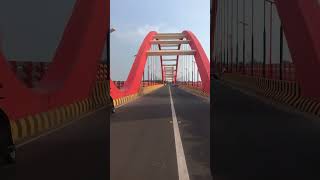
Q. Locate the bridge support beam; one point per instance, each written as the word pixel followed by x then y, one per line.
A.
pixel 201 59
pixel 300 19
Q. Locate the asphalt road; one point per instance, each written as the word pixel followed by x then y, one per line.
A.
pixel 77 151
pixel 253 140
pixel 142 143
pixel 142 137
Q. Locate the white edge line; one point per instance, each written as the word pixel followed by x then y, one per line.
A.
pixel 181 159
pixel 59 128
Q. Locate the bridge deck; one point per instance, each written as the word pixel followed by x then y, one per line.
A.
pixel 143 142
pixel 76 151
pixel 253 138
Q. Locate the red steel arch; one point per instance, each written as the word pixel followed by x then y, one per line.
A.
pixel 72 74
pixel 201 60
pixel 300 20
pixel 132 84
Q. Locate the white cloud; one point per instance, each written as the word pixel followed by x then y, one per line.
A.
pixel 137 33
pixel 144 30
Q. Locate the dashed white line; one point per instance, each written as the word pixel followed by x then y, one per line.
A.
pixel 181 159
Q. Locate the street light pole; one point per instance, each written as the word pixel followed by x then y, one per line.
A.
pixel 244 38
pixel 270 56
pixel 270 45
pixel 151 69
pixel 252 39
pixel 107 43
pixel 231 36
pixel 221 37
pixel 224 35
pixel 188 69
pixel 192 72
pixel 237 50
pixel 281 51
pixel 148 71
pixel 264 39
pixel 227 34
pixel 187 83
pixel 154 70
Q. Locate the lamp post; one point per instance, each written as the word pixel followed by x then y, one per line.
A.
pixel 221 38
pixel 270 45
pixel 281 51
pixel 151 68
pixel 231 68
pixel 227 33
pixel 187 76
pixel 252 37
pixel 243 46
pixel 264 39
pixel 237 50
pixel 244 36
pixel 108 52
pixel 148 71
pixel 193 72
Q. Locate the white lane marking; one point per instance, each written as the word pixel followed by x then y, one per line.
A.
pixel 57 129
pixel 181 159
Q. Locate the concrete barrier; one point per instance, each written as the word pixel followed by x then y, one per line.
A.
pixel 36 124
pixel 145 90
pixel 194 90
pixel 285 92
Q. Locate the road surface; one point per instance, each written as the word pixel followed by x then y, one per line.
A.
pixel 253 140
pixel 76 151
pixel 143 142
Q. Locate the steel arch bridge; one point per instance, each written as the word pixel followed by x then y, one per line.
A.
pixel 301 27
pixel 72 75
pixel 175 40
pixel 77 82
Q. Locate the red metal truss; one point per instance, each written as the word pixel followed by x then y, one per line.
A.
pixel 300 20
pixel 301 25
pixel 72 74
pixel 201 59
pixel 133 82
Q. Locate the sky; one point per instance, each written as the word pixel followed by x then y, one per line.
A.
pixel 31 30
pixel 133 19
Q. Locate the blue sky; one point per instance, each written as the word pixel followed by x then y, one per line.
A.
pixel 133 19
